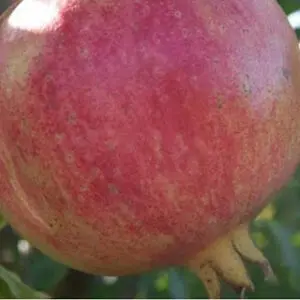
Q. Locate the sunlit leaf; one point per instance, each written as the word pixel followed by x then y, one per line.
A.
pixel 162 282
pixel 12 287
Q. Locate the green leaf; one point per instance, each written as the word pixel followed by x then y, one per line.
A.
pixel 177 286
pixel 145 284
pixel 2 222
pixel 282 237
pixel 43 273
pixel 12 287
pixel 289 5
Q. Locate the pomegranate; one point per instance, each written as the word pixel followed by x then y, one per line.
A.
pixel 141 134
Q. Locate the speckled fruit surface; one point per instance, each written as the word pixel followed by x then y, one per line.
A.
pixel 133 134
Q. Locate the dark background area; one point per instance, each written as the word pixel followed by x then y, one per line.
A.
pixel 276 231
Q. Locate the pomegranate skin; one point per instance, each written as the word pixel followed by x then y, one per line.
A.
pixel 133 134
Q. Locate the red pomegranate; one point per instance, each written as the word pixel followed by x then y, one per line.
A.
pixel 141 134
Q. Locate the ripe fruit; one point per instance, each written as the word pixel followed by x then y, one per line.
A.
pixel 142 134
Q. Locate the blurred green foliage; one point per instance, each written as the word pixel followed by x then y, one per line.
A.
pixel 276 231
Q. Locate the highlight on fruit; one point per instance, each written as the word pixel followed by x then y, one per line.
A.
pixel 137 135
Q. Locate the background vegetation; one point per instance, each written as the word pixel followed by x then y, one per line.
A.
pixel 276 231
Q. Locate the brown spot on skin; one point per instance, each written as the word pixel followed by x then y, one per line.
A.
pixel 72 118
pixel 286 73
pixel 111 144
pixel 247 87
pixel 69 157
pixel 113 189
pixel 55 224
pixel 219 102
pixel 84 188
pixel 157 145
pixel 59 137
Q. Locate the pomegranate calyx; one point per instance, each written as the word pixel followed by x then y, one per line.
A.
pixel 223 260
